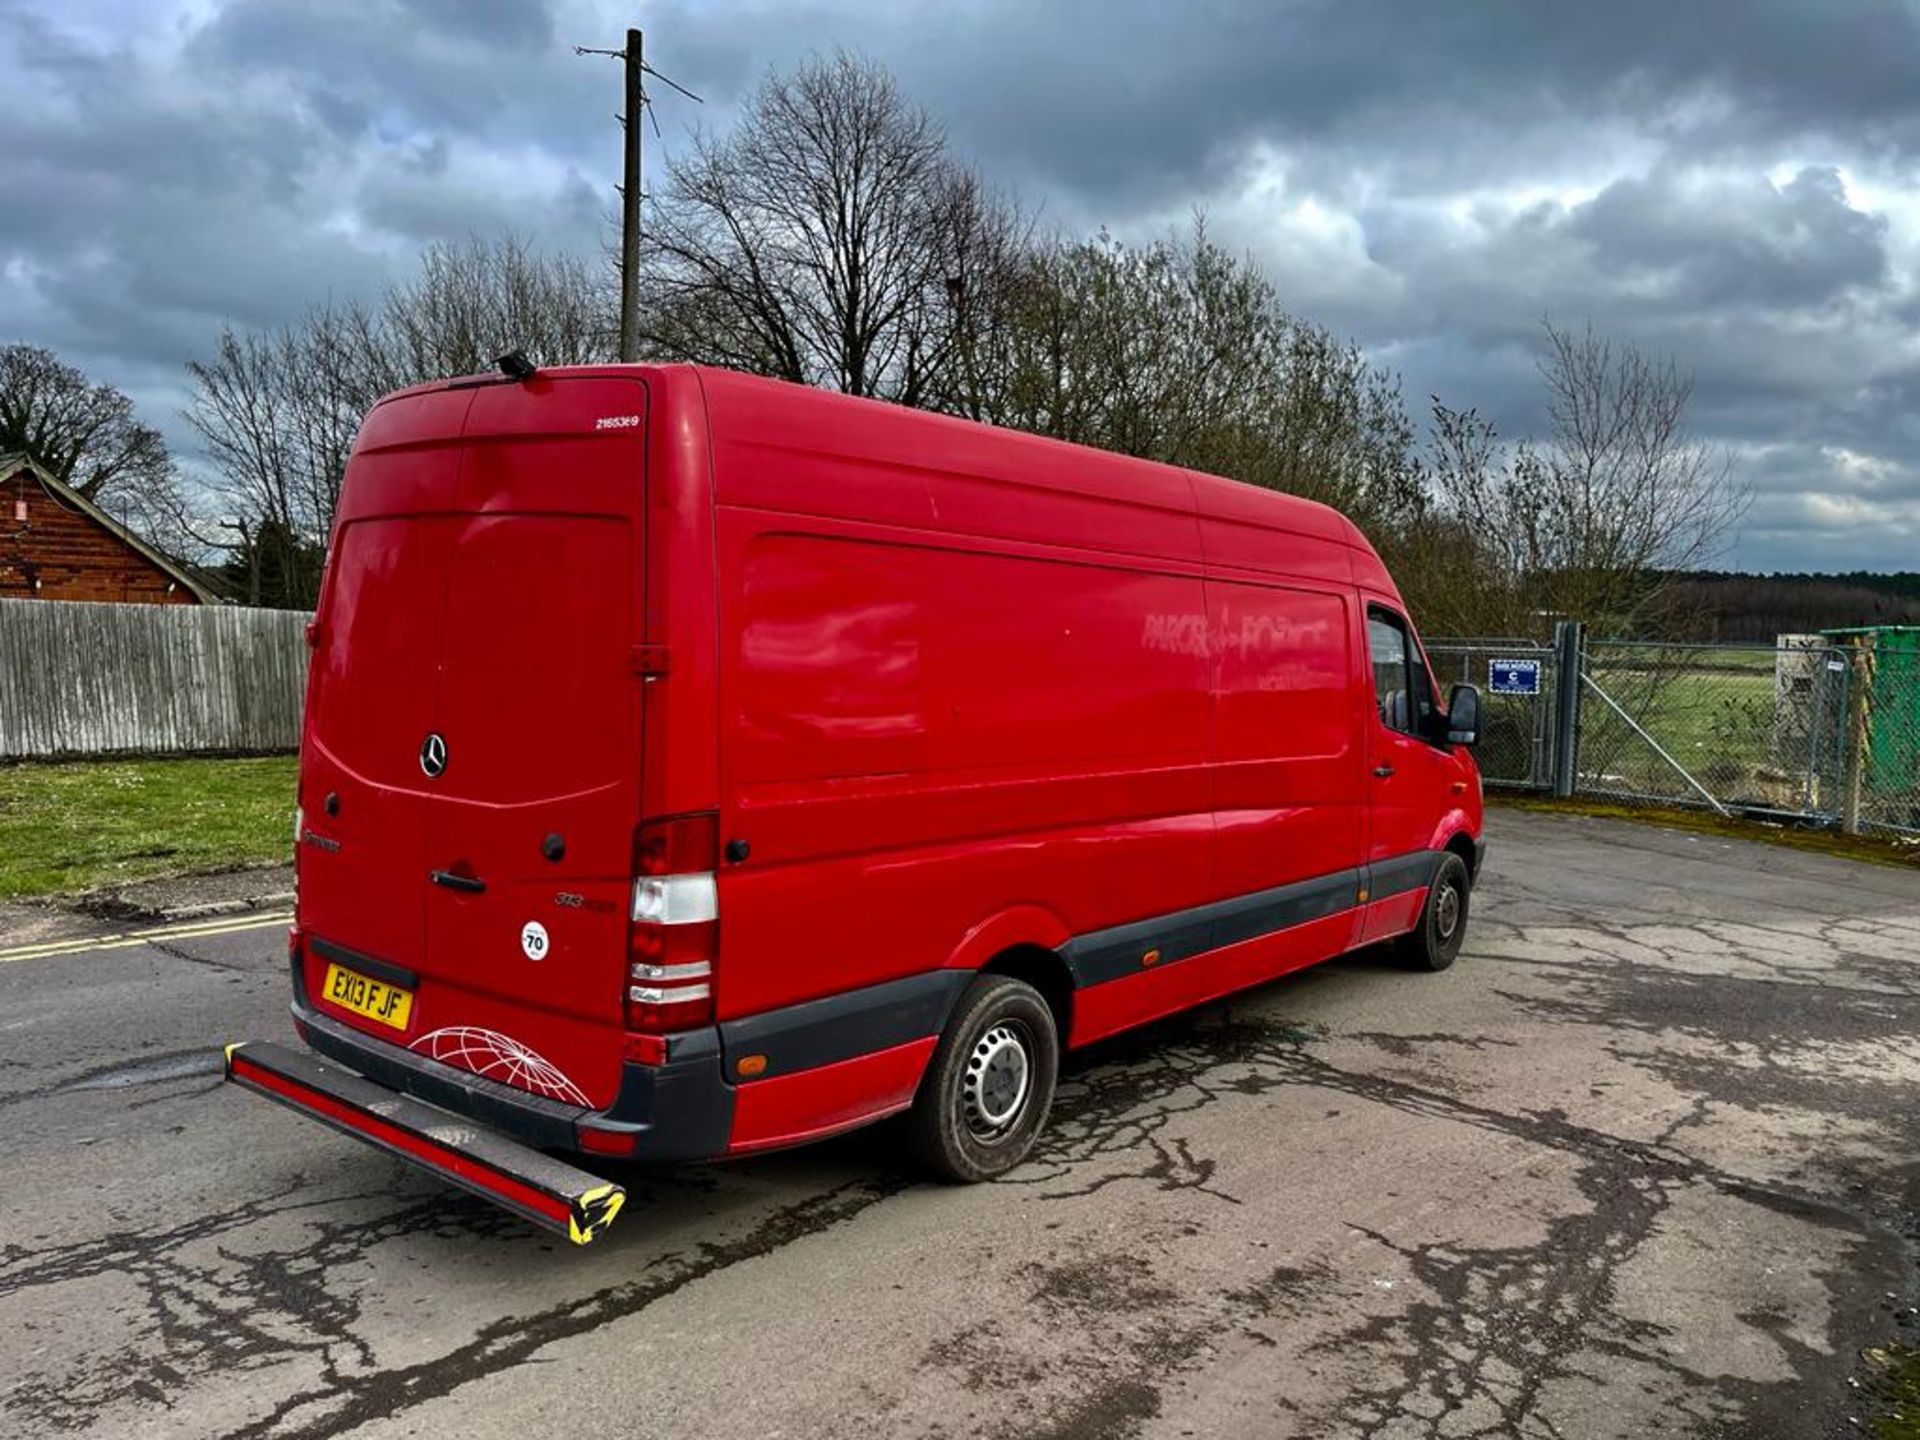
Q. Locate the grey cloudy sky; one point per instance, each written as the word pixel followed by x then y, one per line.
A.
pixel 1733 183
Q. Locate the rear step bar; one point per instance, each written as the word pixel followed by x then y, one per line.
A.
pixel 546 1191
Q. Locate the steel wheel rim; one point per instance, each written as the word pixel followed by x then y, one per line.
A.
pixel 997 1081
pixel 1446 912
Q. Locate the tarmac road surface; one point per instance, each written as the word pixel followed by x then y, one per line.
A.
pixel 1642 1164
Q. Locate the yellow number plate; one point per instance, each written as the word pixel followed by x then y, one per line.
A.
pixel 375 999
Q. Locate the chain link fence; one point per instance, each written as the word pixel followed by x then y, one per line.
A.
pixel 1823 729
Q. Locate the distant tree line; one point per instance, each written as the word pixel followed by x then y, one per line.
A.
pixel 1718 605
pixel 832 238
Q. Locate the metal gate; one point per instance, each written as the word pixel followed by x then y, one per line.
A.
pixel 1519 684
pixel 1754 729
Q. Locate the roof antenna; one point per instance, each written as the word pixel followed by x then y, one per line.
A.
pixel 516 366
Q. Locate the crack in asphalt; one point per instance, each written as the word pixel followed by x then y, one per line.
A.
pixel 225 1307
pixel 1494 1326
pixel 349 1399
pixel 1119 1108
pixel 174 950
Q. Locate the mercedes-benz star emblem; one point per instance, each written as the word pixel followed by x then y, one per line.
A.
pixel 433 755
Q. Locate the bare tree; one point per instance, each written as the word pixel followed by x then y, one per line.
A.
pixel 829 239
pixel 1590 520
pixel 240 409
pixel 279 410
pixel 472 302
pixel 84 433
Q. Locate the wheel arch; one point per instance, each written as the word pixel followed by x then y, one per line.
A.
pixel 1043 969
pixel 1023 942
pixel 1455 833
pixel 1461 843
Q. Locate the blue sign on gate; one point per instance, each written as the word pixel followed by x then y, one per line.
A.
pixel 1513 677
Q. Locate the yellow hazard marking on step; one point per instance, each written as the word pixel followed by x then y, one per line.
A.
pixel 127 939
pixel 598 1208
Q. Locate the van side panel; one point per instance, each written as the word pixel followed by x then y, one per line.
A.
pixel 920 736
pixel 1241 531
pixel 784 448
pixel 1287 749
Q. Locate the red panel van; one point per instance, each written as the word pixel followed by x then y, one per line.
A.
pixel 696 764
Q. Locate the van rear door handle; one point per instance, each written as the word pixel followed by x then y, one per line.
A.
pixel 1383 771
pixel 471 884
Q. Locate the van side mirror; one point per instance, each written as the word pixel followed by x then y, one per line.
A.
pixel 1463 715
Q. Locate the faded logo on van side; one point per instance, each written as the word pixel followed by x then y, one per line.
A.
pixel 1250 634
pixel 1261 650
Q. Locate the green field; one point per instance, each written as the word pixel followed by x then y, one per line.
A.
pixel 83 825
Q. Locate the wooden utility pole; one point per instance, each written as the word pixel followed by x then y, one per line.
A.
pixel 633 58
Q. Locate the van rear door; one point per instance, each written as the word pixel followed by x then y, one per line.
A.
pixel 538 705
pixel 477 695
pixel 370 690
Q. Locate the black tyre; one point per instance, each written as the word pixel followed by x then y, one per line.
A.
pixel 987 1092
pixel 1435 941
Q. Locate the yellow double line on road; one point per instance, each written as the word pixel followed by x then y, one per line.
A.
pixel 127 939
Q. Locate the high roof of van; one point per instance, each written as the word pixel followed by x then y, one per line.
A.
pixel 931 442
pixel 1124 476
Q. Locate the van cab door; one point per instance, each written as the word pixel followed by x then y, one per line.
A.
pixel 1410 777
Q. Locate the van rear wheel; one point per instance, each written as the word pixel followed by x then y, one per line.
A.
pixel 1434 943
pixel 986 1094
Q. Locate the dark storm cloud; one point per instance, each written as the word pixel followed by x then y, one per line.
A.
pixel 1771 293
pixel 283 155
pixel 1131 97
pixel 434 62
pixel 1726 183
pixel 1742 243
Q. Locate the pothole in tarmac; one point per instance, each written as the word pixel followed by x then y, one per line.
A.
pixel 181 1065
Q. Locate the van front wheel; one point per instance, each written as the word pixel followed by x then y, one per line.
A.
pixel 988 1089
pixel 1435 941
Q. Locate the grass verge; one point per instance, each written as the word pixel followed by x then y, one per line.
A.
pixel 85 824
pixel 1904 854
pixel 1895 1381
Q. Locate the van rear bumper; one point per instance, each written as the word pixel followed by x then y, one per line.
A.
pixel 682 1110
pixel 548 1192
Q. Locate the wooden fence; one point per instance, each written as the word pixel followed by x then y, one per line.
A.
pixel 84 679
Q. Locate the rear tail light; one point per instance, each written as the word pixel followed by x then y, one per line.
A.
pixel 675 933
pixel 596 1141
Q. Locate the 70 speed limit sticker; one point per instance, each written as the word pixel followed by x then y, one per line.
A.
pixel 533 940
